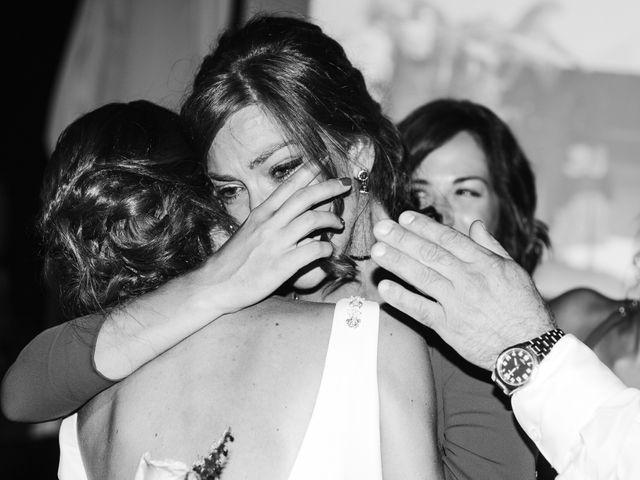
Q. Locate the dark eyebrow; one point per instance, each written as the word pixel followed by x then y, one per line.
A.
pixel 421 181
pixel 220 178
pixel 471 177
pixel 260 159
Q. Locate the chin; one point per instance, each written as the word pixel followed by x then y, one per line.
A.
pixel 309 279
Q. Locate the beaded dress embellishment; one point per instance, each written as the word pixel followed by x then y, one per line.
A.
pixel 354 312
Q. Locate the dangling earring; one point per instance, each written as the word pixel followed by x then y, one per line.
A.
pixel 363 178
pixel 362 238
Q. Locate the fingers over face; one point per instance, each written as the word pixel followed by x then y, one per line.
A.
pixel 309 222
pixel 413 245
pixel 301 178
pixel 312 195
pixel 480 235
pixel 307 252
pixel 446 237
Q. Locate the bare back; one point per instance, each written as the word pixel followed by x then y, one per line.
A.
pixel 257 372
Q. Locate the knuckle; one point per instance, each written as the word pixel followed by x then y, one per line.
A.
pixel 398 234
pixel 421 312
pixel 260 214
pixel 311 219
pixel 321 249
pixel 421 225
pixel 428 253
pixel 297 196
pixel 424 277
pixel 449 236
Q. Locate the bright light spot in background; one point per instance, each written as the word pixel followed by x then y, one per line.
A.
pixel 603 36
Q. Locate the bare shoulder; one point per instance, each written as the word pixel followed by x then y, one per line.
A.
pixel 407 402
pixel 256 371
pixel 399 342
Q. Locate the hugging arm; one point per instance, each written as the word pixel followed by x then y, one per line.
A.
pixel 74 361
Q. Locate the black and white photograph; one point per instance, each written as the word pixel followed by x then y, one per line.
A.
pixel 321 240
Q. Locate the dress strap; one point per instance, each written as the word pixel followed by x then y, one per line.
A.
pixel 71 466
pixel 342 440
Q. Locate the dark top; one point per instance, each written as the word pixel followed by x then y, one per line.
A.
pixel 62 376
pixel 477 432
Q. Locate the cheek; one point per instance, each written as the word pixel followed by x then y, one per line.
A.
pixel 467 212
pixel 239 210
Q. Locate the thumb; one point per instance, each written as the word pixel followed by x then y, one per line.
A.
pixel 480 235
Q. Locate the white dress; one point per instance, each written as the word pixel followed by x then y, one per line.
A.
pixel 342 440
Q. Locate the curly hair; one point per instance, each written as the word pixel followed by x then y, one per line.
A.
pixel 126 207
pixel 304 81
pixel 432 125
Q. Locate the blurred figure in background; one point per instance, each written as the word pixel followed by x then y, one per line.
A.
pixel 466 161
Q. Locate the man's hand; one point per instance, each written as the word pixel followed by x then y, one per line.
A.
pixel 484 301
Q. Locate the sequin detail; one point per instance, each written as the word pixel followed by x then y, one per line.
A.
pixel 354 312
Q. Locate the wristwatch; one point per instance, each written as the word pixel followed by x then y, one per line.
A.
pixel 515 365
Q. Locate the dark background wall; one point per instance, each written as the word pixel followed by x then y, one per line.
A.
pixel 33 54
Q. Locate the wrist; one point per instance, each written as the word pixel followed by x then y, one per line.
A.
pixel 207 291
pixel 517 364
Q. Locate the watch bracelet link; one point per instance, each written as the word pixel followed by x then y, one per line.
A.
pixel 543 344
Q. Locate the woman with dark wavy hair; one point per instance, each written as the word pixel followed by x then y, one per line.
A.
pixel 463 159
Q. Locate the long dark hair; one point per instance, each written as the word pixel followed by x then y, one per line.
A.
pixel 304 81
pixel 433 124
pixel 126 207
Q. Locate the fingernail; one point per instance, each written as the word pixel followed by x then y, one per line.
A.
pixel 383 227
pixel 342 221
pixel 406 218
pixel 346 181
pixel 378 250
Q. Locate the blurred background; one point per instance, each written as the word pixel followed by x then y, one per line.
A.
pixel 565 74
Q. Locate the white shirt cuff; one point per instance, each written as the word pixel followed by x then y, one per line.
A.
pixel 561 398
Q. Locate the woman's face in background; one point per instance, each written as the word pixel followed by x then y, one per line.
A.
pixel 248 159
pixel 455 179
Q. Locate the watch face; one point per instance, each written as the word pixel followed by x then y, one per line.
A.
pixel 514 366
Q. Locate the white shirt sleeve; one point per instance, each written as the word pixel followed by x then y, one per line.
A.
pixel 583 419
